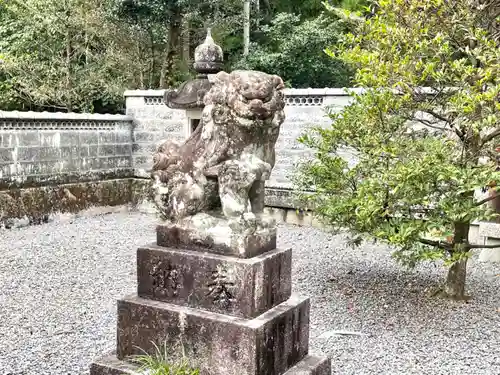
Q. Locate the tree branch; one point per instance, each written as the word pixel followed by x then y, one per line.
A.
pixel 457 131
pixel 439 244
pixel 491 154
pixel 437 115
pixel 488 137
pixel 485 200
pixel 428 123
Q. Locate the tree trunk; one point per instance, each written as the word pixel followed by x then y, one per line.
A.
pixel 141 57
pixel 171 52
pixel 268 13
pixel 455 281
pixel 174 52
pixel 164 65
pixel 152 61
pixel 257 12
pixel 68 47
pixel 494 204
pixel 246 28
pixel 69 105
pixel 186 41
pixel 86 49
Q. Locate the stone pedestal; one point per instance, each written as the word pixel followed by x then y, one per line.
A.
pixel 489 234
pixel 229 314
pixel 216 237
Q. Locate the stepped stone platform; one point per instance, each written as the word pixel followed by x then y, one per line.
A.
pixel 228 315
pixel 308 366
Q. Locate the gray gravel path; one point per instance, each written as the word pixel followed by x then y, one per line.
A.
pixel 59 283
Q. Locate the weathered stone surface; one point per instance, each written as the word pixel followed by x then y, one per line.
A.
pixel 311 365
pixel 110 365
pixel 208 56
pixel 47 145
pixel 214 285
pixel 54 163
pixel 220 170
pixel 231 154
pixel 227 285
pixel 37 204
pixel 204 232
pixel 218 344
pixel 283 198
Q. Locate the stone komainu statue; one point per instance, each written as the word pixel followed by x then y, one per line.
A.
pixel 225 162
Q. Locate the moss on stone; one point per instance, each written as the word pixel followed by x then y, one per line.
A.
pixel 38 203
pixel 64 178
pixel 141 191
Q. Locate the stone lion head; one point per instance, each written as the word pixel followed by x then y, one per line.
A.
pixel 248 94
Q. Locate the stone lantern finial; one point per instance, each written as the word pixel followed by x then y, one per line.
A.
pixel 208 56
pixel 209 38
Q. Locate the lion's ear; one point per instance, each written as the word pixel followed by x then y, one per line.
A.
pixel 278 82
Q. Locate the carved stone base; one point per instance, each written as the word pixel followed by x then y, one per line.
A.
pixel 311 365
pixel 208 232
pixel 110 365
pixel 217 344
pixel 217 283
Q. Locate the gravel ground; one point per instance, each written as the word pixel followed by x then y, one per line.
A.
pixel 59 283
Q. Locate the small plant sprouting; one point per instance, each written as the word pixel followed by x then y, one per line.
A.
pixel 160 364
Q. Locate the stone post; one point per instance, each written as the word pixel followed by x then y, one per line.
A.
pixel 214 289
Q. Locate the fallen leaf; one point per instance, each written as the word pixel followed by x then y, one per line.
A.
pixel 329 334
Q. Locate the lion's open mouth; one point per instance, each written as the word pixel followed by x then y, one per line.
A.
pixel 255 108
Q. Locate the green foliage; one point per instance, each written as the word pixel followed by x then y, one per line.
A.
pixel 8 97
pixel 160 364
pixel 78 55
pixel 170 30
pixel 294 50
pixel 53 55
pixel 420 154
pixel 311 8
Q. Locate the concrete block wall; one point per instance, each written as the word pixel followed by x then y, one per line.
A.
pixel 153 122
pixel 38 149
pixel 305 108
pixel 488 234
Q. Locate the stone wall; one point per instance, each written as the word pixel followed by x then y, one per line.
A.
pixel 55 149
pixel 62 162
pixel 153 122
pixel 72 155
pixel 38 149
